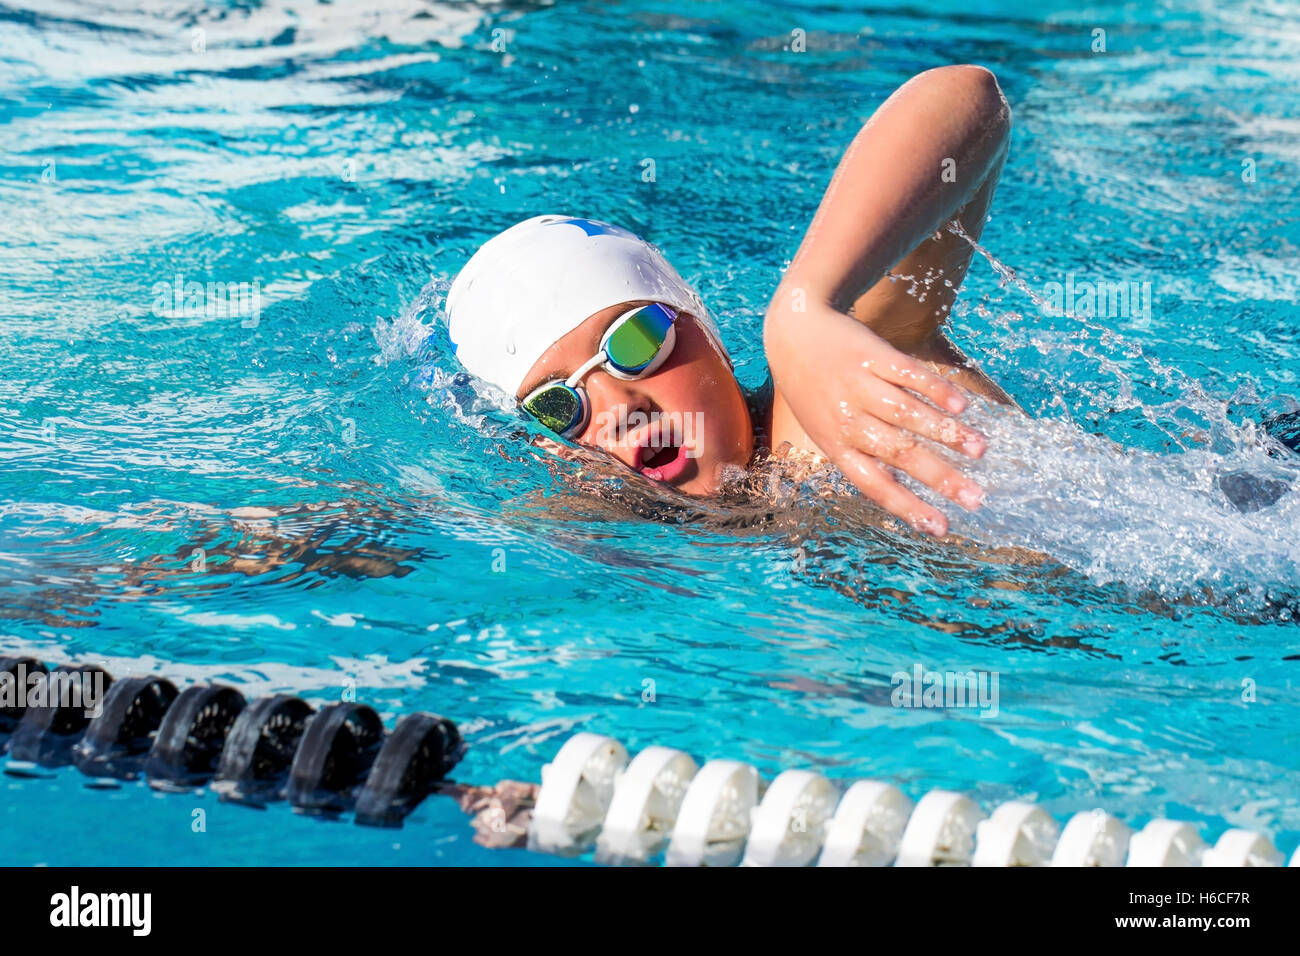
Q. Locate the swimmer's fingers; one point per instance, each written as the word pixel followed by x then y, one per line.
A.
pixel 897 448
pixel 914 375
pixel 910 414
pixel 874 480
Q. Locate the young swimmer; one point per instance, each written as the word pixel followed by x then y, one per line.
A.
pixel 601 340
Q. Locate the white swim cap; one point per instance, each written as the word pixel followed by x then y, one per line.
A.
pixel 528 287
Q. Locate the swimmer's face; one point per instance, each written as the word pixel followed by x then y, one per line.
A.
pixel 682 424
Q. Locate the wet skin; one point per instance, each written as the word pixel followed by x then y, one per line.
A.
pixel 694 379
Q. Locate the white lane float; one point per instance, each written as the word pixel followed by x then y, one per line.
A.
pixel 577 787
pixel 715 815
pixel 1017 834
pixel 867 827
pixel 1242 848
pixel 941 831
pixel 1092 838
pixel 643 811
pixel 789 826
pixel 1166 843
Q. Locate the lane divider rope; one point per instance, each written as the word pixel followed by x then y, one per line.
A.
pixel 722 814
pixel 324 762
pixel 593 796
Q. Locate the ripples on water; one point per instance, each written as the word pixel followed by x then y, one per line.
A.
pixel 322 496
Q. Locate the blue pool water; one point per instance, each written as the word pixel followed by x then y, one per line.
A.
pixel 313 499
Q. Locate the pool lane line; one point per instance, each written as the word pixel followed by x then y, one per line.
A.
pixel 659 807
pixel 326 762
pixel 662 807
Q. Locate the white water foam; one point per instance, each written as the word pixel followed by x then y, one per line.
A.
pixel 1222 512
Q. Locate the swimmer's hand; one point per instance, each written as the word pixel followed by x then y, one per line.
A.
pixel 855 397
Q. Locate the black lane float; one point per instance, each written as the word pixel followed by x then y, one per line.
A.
pixel 327 762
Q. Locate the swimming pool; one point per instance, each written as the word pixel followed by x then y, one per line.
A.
pixel 296 492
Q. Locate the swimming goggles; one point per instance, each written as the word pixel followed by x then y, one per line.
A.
pixel 636 344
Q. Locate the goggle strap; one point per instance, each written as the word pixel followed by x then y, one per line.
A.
pixel 581 373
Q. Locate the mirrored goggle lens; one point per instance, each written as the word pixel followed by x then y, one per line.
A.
pixel 637 339
pixel 556 406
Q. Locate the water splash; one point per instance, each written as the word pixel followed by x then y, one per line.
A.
pixel 1218 510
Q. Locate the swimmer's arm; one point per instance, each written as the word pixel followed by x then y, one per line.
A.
pixel 843 389
pixel 917 161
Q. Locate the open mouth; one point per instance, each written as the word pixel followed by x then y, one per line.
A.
pixel 662 464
